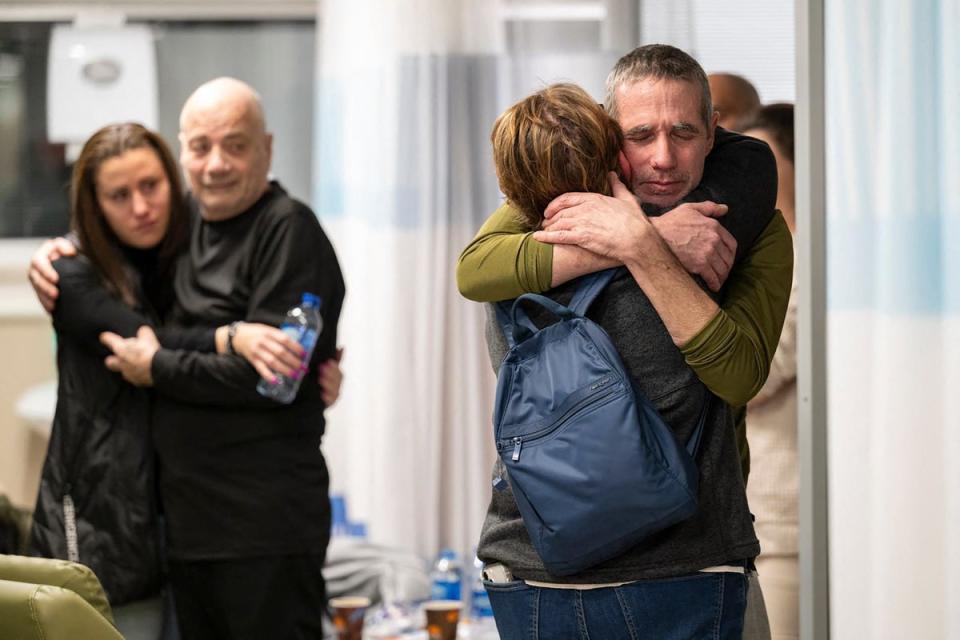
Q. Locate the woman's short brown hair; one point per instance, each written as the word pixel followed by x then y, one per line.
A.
pixel 555 141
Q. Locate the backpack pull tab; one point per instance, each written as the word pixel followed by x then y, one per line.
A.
pixel 516 448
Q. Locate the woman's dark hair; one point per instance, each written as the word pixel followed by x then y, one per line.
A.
pixel 97 240
pixel 776 119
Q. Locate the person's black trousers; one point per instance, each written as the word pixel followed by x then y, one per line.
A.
pixel 282 597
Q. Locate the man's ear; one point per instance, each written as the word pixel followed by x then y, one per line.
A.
pixel 268 141
pixel 626 171
pixel 712 130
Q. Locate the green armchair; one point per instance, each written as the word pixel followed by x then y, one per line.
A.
pixel 52 600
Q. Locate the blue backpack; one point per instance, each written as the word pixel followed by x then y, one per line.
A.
pixel 593 467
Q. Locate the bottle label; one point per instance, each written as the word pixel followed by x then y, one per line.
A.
pixel 444 590
pixel 309 340
pixel 481 603
pixel 291 330
pixel 305 336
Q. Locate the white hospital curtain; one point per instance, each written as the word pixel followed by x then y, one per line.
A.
pixel 405 92
pixel 893 314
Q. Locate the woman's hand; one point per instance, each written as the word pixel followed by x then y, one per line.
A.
pixel 331 378
pixel 132 357
pixel 269 350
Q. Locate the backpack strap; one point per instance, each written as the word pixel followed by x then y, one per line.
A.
pixel 590 287
pixel 517 325
pixel 503 319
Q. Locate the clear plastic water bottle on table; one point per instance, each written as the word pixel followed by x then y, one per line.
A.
pixel 303 324
pixel 446 577
pixel 481 625
pixel 479 599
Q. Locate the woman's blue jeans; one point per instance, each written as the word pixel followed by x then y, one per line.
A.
pixel 694 607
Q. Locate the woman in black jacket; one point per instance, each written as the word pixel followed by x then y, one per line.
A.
pixel 97 502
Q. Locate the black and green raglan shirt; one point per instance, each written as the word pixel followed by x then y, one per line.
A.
pixel 727 359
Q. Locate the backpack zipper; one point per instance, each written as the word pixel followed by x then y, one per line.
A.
pixel 591 399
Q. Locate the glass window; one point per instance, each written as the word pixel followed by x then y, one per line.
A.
pixel 275 57
pixel 33 173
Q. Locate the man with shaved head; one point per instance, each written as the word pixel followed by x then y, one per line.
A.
pixel 226 180
pixel 734 98
pixel 242 480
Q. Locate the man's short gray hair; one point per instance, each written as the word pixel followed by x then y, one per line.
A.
pixel 662 62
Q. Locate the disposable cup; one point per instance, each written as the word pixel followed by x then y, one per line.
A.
pixel 442 619
pixel 348 614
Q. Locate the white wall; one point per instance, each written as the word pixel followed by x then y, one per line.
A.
pixel 753 38
pixel 26 342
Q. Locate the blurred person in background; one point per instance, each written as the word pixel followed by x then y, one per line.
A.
pixel 734 98
pixel 97 502
pixel 772 418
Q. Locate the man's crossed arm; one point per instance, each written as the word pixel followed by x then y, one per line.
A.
pixel 615 229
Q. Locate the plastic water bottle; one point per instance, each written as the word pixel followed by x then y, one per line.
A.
pixel 446 577
pixel 480 609
pixel 481 624
pixel 303 324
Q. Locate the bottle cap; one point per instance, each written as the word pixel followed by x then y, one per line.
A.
pixel 310 300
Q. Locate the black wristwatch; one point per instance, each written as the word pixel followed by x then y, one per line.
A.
pixel 231 332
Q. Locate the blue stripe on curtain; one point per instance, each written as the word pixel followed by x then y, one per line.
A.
pixel 892 220
pixel 446 105
pixel 899 266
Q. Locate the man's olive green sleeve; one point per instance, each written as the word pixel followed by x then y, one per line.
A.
pixel 504 261
pixel 754 306
pixel 732 354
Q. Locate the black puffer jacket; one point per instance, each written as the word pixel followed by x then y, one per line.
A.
pixel 97 502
